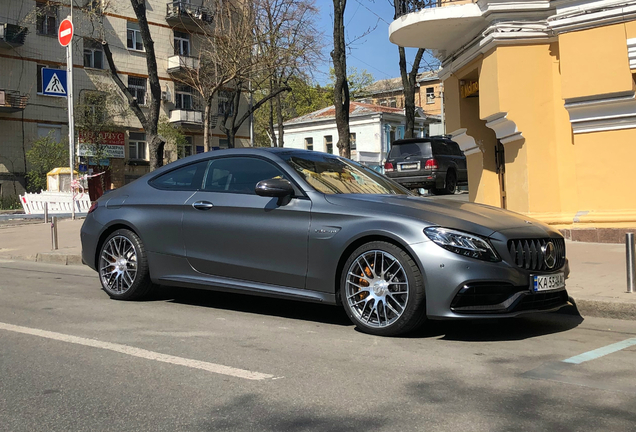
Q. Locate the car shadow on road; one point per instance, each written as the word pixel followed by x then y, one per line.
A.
pixel 502 329
pixel 315 312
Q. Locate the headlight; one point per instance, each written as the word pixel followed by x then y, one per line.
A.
pixel 462 243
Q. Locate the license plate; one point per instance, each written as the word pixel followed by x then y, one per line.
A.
pixel 409 166
pixel 548 282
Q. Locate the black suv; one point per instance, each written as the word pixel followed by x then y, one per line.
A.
pixel 433 163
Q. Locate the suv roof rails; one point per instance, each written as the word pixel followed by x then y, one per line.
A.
pixel 447 136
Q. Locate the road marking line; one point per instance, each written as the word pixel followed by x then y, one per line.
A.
pixel 600 352
pixel 138 352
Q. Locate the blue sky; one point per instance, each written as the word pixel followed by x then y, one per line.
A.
pixel 373 52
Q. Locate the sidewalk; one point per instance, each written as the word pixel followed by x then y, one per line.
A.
pixel 597 282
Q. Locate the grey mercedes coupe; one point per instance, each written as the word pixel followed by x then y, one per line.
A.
pixel 316 227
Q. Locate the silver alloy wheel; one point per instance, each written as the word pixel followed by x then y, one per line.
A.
pixel 377 288
pixel 118 265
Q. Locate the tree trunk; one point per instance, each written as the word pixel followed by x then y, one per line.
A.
pixel 207 136
pixel 341 86
pixel 409 83
pixel 155 148
pixel 270 125
pixel 279 117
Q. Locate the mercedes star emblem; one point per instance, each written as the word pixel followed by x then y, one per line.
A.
pixel 549 254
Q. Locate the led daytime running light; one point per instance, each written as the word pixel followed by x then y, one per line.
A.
pixel 462 243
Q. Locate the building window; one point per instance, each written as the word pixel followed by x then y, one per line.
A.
pixel 46 19
pixel 430 95
pixel 329 144
pixel 93 54
pixel 352 141
pixel 183 97
pixel 393 103
pixel 181 43
pixel 94 107
pixel 137 146
pixel 134 41
pixel 137 86
pixel 309 143
pixel 226 105
pixel 188 146
pixel 94 5
pixel 223 143
pixel 51 131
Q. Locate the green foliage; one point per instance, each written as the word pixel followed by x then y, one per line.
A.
pixel 173 135
pixel 10 203
pixel 357 80
pixel 44 155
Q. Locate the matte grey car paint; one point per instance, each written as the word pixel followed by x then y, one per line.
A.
pixel 247 243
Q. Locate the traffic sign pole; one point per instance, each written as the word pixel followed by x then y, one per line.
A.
pixel 65 36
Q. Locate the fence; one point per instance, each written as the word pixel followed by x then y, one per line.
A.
pixel 58 202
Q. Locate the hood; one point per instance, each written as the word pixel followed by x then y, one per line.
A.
pixel 470 217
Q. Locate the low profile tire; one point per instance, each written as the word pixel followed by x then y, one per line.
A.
pixel 382 290
pixel 123 266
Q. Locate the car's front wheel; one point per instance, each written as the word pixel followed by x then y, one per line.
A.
pixel 382 290
pixel 123 266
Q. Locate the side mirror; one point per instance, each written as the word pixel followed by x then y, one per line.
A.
pixel 279 188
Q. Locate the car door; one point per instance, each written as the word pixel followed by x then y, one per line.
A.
pixel 229 231
pixel 460 160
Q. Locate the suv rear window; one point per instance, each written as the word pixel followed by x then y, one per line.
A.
pixel 422 149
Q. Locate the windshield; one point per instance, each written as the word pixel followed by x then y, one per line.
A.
pixel 410 149
pixel 334 175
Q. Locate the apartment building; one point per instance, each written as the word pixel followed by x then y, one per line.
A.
pixel 541 97
pixel 390 92
pixel 28 43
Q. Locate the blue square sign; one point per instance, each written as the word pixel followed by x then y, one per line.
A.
pixel 54 82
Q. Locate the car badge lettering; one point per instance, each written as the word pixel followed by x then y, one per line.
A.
pixel 549 254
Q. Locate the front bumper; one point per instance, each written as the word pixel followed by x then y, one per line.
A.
pixel 458 287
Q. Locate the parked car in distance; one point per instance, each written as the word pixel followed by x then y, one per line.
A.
pixel 433 163
pixel 316 227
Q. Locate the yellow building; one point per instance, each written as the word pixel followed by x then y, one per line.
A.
pixel 540 95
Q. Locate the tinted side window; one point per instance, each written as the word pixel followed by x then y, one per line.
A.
pixel 239 174
pixel 188 177
pixel 456 150
pixel 440 148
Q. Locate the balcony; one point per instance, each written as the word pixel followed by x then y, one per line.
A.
pixel 179 64
pixel 441 25
pixel 12 101
pixel 12 35
pixel 184 117
pixel 181 12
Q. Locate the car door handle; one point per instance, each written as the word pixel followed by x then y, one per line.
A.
pixel 202 205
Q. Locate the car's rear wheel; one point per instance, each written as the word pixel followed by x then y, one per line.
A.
pixel 123 266
pixel 382 290
pixel 451 183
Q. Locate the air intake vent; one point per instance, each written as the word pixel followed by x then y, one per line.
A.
pixel 529 253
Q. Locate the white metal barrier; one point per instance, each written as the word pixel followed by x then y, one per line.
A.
pixel 58 202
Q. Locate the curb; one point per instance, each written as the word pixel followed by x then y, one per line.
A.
pixel 58 258
pixel 604 309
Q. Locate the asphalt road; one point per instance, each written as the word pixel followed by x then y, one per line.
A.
pixel 73 360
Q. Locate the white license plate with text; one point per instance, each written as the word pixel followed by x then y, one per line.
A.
pixel 548 282
pixel 409 166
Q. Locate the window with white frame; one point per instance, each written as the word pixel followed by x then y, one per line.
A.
pixel 137 146
pixel 183 97
pixel 137 86
pixel 181 43
pixel 352 141
pixel 93 54
pixel 46 19
pixel 54 132
pixel 133 38
pixel 430 95
pixel 188 147
pixel 309 143
pixel 329 144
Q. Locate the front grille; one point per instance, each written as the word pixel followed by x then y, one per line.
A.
pixel 528 253
pixel 543 301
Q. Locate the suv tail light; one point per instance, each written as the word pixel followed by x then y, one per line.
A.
pixel 388 166
pixel 431 164
pixel 93 208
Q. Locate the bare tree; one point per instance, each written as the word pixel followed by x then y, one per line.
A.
pixel 148 121
pixel 341 86
pixel 409 82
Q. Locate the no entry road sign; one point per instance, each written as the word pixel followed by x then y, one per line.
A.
pixel 65 33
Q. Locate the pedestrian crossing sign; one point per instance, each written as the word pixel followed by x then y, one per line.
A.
pixel 54 82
